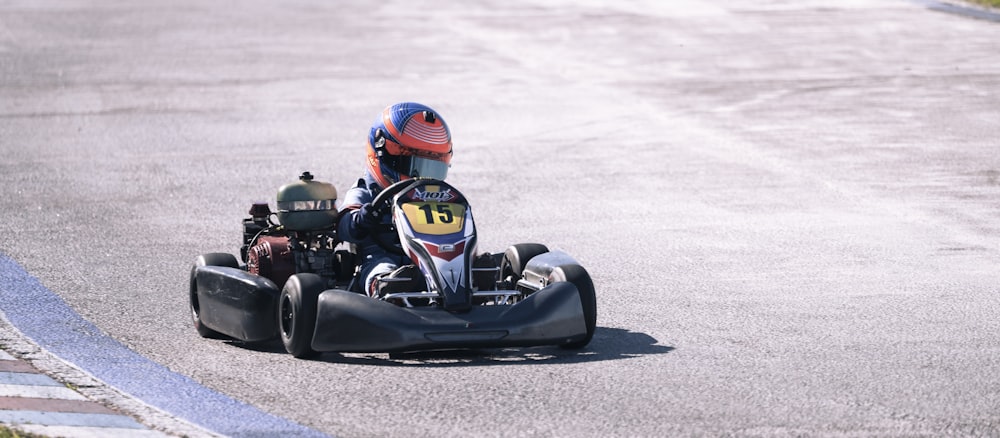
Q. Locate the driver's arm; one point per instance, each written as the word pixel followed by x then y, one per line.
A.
pixel 356 218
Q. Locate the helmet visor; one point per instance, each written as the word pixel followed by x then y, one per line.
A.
pixel 420 167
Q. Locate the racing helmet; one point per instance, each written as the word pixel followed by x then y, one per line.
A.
pixel 408 140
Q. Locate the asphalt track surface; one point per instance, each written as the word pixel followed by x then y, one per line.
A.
pixel 790 209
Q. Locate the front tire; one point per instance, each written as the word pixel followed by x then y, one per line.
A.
pixel 515 258
pixel 577 275
pixel 210 259
pixel 297 307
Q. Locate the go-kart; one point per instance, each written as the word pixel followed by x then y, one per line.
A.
pixel 297 282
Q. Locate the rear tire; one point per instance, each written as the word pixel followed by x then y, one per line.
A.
pixel 515 259
pixel 210 259
pixel 577 275
pixel 297 307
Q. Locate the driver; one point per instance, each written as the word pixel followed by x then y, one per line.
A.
pixel 407 140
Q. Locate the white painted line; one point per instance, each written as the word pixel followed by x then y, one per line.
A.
pixel 35 391
pixel 68 419
pixel 89 432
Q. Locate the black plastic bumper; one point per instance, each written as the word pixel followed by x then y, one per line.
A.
pixel 349 322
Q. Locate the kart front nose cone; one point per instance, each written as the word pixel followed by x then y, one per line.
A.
pixel 349 322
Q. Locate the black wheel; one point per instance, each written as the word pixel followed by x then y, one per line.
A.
pixel 297 308
pixel 210 259
pixel 581 279
pixel 515 259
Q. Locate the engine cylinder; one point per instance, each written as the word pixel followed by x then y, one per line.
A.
pixel 272 258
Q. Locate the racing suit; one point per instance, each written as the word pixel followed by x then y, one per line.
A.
pixel 376 261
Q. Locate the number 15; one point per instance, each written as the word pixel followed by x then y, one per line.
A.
pixel 444 213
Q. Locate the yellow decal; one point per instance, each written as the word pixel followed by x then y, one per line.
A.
pixel 437 218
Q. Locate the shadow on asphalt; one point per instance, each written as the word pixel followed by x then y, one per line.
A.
pixel 607 344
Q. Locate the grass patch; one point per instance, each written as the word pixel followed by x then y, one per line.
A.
pixel 990 3
pixel 6 432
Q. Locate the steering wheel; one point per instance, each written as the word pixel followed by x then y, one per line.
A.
pixel 383 202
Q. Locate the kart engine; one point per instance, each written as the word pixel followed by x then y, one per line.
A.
pixel 303 240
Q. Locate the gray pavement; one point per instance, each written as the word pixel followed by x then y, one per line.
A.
pixel 789 209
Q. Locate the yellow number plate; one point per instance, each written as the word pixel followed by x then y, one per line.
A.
pixel 436 218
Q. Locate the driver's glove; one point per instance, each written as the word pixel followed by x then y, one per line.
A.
pixel 366 217
pixel 362 221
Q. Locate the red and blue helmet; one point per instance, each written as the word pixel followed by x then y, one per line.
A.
pixel 408 140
